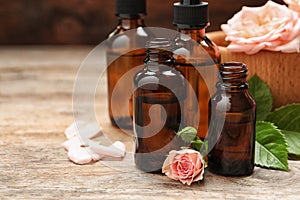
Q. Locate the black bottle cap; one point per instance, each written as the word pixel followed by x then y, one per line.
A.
pixel 130 7
pixel 191 14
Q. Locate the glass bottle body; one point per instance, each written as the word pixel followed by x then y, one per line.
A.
pixel 122 66
pixel 159 90
pixel 198 59
pixel 232 128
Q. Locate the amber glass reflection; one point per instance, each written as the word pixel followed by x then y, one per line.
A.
pixel 123 62
pixel 198 59
pixel 232 143
pixel 158 96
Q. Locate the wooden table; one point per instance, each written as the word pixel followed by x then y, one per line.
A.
pixel 36 85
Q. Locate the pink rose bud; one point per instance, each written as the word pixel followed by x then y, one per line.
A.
pixel 185 165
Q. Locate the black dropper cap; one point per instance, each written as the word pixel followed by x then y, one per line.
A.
pixel 191 14
pixel 130 8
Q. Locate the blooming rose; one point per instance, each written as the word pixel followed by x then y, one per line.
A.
pixel 185 165
pixel 271 27
pixel 293 5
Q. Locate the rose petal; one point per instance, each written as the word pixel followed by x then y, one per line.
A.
pixel 168 162
pixel 294 5
pixel 289 47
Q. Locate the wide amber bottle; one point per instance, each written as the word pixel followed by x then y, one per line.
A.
pixel 231 136
pixel 198 58
pixel 125 56
pixel 159 91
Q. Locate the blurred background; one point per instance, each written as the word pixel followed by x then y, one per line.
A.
pixel 90 21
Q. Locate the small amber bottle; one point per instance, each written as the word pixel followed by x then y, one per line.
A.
pixel 232 123
pixel 198 59
pixel 159 90
pixel 123 63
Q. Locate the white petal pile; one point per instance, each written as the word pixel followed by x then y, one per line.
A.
pixel 82 150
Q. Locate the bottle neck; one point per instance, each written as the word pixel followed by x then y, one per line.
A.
pixel 131 22
pixel 159 53
pixel 232 76
pixel 159 56
pixel 195 33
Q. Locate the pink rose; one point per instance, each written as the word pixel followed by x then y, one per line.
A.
pixel 293 5
pixel 185 165
pixel 271 27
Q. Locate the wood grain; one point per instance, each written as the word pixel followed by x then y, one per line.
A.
pixel 36 106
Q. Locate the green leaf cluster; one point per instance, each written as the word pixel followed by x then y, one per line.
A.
pixel 189 136
pixel 277 132
pixel 270 146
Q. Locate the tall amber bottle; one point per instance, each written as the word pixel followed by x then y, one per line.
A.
pixel 122 63
pixel 232 130
pixel 198 58
pixel 159 90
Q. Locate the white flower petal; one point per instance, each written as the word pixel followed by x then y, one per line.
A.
pixel 82 155
pixel 75 142
pixel 115 150
pixel 72 130
pixel 83 130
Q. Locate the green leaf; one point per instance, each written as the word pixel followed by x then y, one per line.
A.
pixel 262 95
pixel 286 117
pixel 201 146
pixel 188 134
pixel 293 141
pixel 197 144
pixel 270 147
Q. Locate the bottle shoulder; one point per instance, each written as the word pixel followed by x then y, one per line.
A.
pixel 194 50
pixel 212 47
pixel 235 101
pixel 162 85
pixel 165 75
pixel 122 39
pixel 161 71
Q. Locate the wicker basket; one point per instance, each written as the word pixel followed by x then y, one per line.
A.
pixel 281 71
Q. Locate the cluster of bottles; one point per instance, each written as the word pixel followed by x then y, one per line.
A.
pixel 172 90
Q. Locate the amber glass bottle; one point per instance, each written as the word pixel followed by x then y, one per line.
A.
pixel 232 129
pixel 159 90
pixel 122 63
pixel 198 59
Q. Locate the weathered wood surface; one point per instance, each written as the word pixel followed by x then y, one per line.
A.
pixel 36 106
